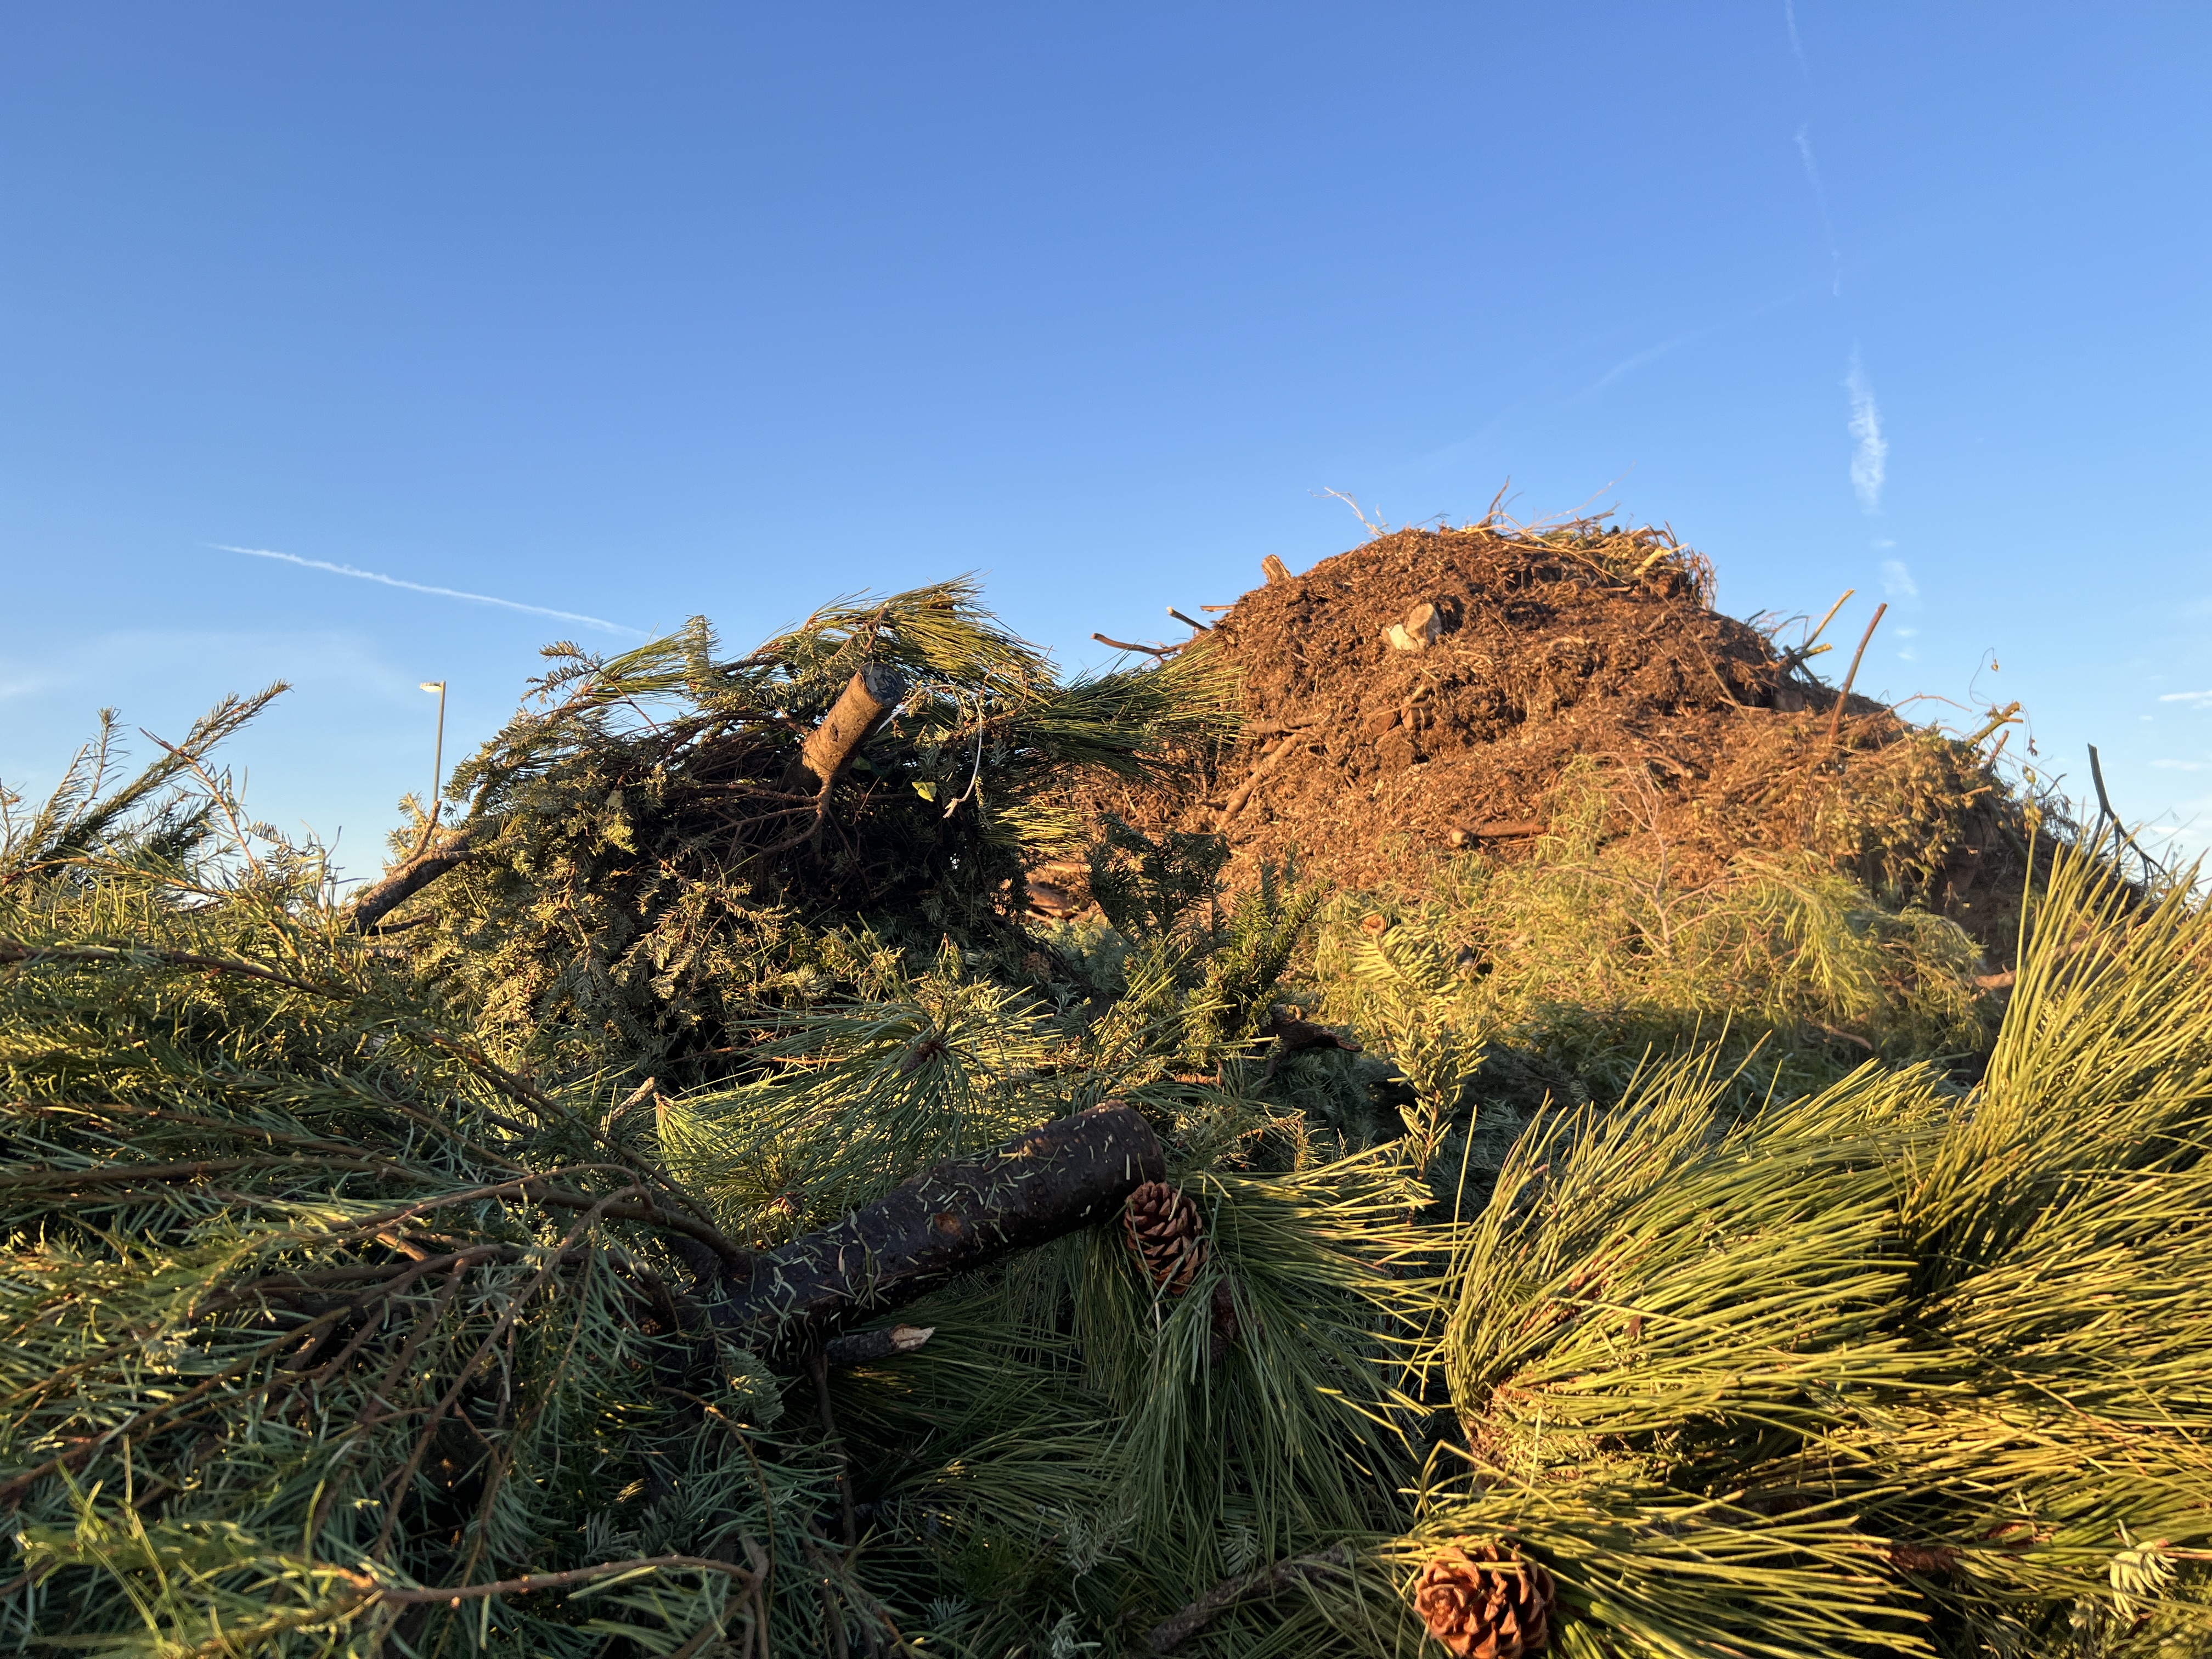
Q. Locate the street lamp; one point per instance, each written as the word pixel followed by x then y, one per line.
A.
pixel 438 765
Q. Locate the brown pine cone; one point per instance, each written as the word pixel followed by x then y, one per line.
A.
pixel 1165 1232
pixel 1486 1604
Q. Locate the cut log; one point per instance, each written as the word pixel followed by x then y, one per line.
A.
pixel 1276 570
pixel 867 701
pixel 956 1218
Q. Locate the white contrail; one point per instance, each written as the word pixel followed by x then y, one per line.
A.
pixel 1870 460
pixel 423 587
pixel 1821 200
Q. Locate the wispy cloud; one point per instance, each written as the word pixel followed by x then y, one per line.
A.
pixel 1870 459
pixel 2200 698
pixel 424 587
pixel 1896 581
pixel 1651 354
pixel 1804 138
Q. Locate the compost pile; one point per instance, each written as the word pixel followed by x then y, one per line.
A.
pixel 1429 689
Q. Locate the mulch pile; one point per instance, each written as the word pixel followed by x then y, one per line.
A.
pixel 1428 689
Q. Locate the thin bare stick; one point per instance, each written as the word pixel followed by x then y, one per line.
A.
pixel 1191 623
pixel 1148 650
pixel 1805 647
pixel 818 1367
pixel 1167 1636
pixel 1373 530
pixel 455 1595
pixel 1836 715
pixel 2121 837
pixel 1998 717
pixel 1275 758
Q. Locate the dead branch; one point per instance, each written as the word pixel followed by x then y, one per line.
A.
pixel 864 1347
pixel 1275 758
pixel 1148 650
pixel 956 1218
pixel 1836 715
pixel 1474 834
pixel 1171 1634
pixel 373 903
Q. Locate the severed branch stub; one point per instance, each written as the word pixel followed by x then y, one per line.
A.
pixel 867 701
pixel 954 1218
pixel 373 903
pixel 864 1347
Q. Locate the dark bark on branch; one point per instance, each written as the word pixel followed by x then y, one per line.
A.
pixel 1167 1636
pixel 864 1347
pixel 867 701
pixel 373 903
pixel 959 1217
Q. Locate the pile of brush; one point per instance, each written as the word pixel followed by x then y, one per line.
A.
pixel 1030 1292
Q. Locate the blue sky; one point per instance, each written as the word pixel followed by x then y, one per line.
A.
pixel 635 312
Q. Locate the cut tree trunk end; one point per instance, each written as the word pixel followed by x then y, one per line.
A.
pixel 867 701
pixel 959 1217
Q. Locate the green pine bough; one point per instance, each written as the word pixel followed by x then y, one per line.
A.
pixel 361 1299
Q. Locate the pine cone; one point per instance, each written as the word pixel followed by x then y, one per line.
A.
pixel 1165 1232
pixel 1490 1604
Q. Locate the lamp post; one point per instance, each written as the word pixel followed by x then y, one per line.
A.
pixel 438 765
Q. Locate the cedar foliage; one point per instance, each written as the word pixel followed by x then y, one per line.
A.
pixel 354 1291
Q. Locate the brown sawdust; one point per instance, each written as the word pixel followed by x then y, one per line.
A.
pixel 1358 759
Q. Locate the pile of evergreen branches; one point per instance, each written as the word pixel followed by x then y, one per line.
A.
pixel 359 1303
pixel 647 861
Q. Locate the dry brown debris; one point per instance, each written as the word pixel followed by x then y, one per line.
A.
pixel 1425 691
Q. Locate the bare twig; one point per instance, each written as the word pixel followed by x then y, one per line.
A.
pixel 817 1366
pixel 2121 836
pixel 1836 715
pixel 1275 758
pixel 1191 623
pixel 1148 650
pixel 1170 1634
pixel 455 1595
pixel 1372 529
pixel 1998 717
